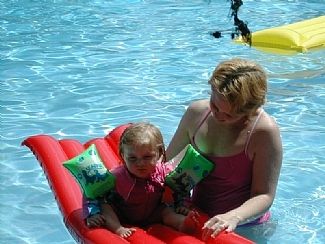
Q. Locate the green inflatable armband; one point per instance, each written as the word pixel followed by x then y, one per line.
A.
pixel 192 168
pixel 90 172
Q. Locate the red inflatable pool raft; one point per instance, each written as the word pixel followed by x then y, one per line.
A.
pixel 51 153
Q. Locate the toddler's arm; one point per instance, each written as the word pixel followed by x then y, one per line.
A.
pixel 113 223
pixel 96 220
pixel 93 215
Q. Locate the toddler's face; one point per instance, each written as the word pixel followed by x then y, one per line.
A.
pixel 140 160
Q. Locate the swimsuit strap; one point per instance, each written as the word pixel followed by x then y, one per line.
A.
pixel 204 117
pixel 250 132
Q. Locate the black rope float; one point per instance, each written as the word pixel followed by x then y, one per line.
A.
pixel 241 27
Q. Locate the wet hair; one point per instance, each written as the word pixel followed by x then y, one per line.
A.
pixel 242 82
pixel 143 134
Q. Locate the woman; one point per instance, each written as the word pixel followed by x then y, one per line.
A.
pixel 232 130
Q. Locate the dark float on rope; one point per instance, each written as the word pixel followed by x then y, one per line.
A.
pixel 241 27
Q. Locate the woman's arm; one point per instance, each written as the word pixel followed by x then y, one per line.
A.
pixel 185 128
pixel 266 151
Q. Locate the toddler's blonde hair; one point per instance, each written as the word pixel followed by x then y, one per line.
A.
pixel 143 134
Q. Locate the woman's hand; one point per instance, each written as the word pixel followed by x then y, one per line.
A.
pixel 124 232
pixel 96 220
pixel 218 223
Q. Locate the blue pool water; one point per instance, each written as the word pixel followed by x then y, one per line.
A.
pixel 78 68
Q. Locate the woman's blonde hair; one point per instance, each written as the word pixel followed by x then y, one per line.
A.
pixel 242 82
pixel 143 134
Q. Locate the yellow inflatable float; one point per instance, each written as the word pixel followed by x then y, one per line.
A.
pixel 301 36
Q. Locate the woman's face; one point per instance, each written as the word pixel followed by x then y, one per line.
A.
pixel 140 160
pixel 221 109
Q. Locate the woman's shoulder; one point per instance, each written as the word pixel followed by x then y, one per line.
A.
pixel 194 113
pixel 267 123
pixel 199 106
pixel 266 132
pixel 266 129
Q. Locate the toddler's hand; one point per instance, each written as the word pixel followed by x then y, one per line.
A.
pixel 96 220
pixel 182 210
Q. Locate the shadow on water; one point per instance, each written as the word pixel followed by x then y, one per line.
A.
pixel 260 234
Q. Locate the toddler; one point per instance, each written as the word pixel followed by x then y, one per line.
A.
pixel 137 197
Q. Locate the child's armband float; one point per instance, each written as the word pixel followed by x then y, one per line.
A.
pixel 90 172
pixel 192 169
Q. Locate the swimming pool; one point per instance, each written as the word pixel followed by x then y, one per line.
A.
pixel 77 68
